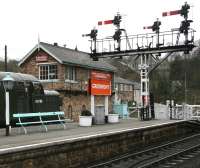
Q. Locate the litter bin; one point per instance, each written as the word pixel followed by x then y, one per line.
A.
pixel 99 113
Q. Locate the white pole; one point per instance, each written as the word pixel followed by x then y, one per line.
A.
pixel 106 105
pixel 92 104
pixel 8 129
pixel 7 109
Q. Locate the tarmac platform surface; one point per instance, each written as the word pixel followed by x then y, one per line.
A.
pixel 73 132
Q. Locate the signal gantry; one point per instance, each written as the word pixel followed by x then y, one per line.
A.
pixel 145 46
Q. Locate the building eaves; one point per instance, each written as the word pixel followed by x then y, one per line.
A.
pixel 90 67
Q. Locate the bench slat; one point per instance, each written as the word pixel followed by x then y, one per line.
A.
pixel 28 123
pixel 38 122
pixel 49 121
pixel 26 115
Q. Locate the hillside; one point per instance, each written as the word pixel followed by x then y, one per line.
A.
pixel 123 70
pixel 12 66
pixel 176 78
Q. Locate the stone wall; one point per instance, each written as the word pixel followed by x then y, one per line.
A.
pixel 72 105
pixel 79 153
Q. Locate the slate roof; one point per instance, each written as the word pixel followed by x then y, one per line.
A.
pixel 123 81
pixel 69 56
pixel 137 85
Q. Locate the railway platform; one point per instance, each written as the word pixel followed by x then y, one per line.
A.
pixel 73 132
pixel 79 147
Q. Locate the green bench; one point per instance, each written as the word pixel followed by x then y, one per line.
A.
pixel 39 119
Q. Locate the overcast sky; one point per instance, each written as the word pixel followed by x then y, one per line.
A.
pixel 64 21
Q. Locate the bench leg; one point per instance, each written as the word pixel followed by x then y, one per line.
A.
pixel 61 122
pixel 64 126
pixel 22 127
pixel 45 127
pixel 25 131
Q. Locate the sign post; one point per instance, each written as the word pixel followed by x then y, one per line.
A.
pixel 100 85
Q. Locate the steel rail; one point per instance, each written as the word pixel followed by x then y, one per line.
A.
pixel 170 157
pixel 126 156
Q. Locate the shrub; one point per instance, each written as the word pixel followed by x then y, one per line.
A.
pixel 86 113
pixel 113 112
pixel 131 103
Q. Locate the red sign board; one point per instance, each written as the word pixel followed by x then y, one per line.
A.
pixel 41 58
pixel 100 83
pixel 100 75
pixel 100 87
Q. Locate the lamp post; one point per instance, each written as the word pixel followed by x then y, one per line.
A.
pixel 8 83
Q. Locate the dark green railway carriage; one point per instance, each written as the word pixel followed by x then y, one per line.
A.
pixel 27 96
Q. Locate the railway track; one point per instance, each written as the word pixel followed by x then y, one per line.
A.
pixel 169 155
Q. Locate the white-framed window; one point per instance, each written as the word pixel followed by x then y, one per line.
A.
pixel 70 73
pixel 126 87
pixel 130 88
pixel 121 87
pixel 48 72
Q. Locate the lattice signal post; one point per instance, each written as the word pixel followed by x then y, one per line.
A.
pixel 144 46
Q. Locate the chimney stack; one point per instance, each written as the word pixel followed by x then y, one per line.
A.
pixel 55 44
